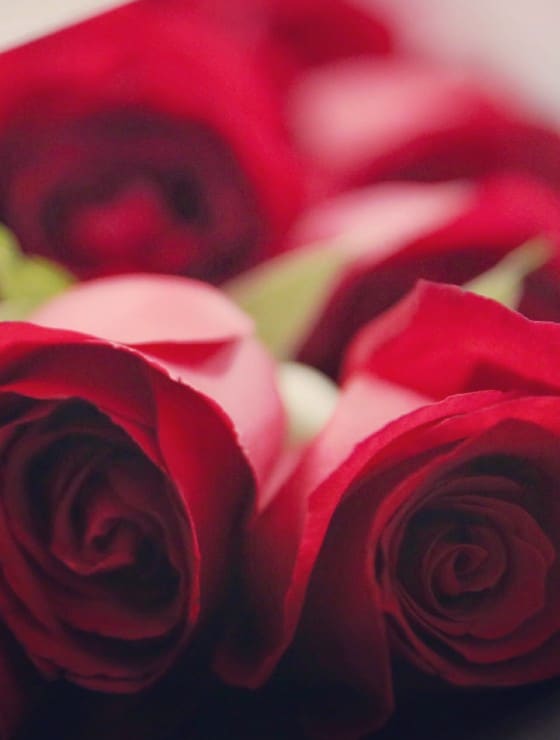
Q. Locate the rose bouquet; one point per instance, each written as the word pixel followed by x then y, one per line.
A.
pixel 279 380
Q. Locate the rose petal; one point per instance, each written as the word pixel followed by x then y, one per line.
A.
pixel 499 348
pixel 142 309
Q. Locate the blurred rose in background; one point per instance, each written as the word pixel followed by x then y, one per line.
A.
pixel 143 140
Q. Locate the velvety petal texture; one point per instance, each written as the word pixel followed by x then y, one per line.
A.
pixel 126 146
pixel 499 348
pixel 127 474
pixel 422 520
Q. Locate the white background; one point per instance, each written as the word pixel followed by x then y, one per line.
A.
pixel 518 39
pixel 21 20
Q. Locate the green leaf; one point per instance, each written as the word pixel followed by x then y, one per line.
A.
pixel 309 398
pixel 285 295
pixel 504 281
pixel 26 282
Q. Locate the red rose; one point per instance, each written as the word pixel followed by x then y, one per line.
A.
pixel 17 684
pixel 471 572
pixel 394 234
pixel 129 462
pixel 430 527
pixel 143 140
pixel 289 37
pixel 368 120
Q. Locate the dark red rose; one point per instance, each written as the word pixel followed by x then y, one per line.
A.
pixel 393 234
pixel 18 685
pixel 143 140
pixel 470 574
pixel 426 525
pixel 289 37
pixel 364 121
pixel 129 463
